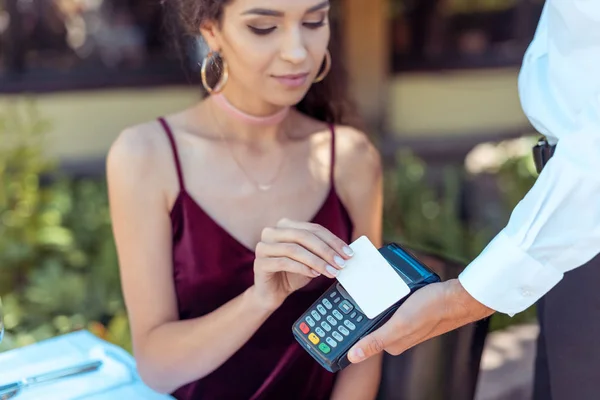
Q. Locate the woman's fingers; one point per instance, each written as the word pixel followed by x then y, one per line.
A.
pixel 297 253
pixel 307 240
pixel 278 264
pixel 334 242
pixel 313 238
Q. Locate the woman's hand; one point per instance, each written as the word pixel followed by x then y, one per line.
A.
pixel 293 253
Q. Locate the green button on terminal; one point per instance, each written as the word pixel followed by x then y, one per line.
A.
pixel 324 348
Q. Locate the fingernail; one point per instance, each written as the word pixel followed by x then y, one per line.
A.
pixel 349 252
pixel 339 260
pixel 315 273
pixel 331 270
pixel 358 354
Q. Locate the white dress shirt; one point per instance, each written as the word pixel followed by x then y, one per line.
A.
pixel 556 227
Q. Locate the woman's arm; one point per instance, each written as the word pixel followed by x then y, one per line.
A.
pixel 169 352
pixel 360 185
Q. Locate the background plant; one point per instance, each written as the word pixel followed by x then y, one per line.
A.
pixel 427 215
pixel 58 269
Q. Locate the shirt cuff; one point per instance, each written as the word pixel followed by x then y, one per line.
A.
pixel 506 279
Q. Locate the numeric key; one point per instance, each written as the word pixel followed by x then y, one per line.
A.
pixel 315 315
pixel 350 325
pixel 345 331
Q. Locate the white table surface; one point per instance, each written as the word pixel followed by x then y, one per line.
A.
pixel 117 378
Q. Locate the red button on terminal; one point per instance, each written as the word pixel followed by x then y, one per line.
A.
pixel 304 328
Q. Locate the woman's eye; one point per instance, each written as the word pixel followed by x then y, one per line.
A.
pixel 261 31
pixel 266 31
pixel 315 25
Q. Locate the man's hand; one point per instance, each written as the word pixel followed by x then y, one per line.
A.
pixel 431 311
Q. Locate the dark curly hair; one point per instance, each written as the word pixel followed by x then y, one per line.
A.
pixel 327 101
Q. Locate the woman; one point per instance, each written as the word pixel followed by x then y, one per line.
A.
pixel 227 214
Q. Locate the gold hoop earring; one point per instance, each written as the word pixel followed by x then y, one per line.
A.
pixel 326 69
pixel 211 56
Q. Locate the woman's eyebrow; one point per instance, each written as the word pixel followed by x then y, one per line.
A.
pixel 274 13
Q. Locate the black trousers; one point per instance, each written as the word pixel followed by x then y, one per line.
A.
pixel 568 349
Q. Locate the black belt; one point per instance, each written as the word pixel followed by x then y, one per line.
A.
pixel 542 153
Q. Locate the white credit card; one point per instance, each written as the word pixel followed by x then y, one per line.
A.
pixel 371 281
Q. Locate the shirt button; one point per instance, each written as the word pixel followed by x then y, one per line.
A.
pixel 526 291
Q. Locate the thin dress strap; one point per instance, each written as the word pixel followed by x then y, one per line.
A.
pixel 332 167
pixel 169 133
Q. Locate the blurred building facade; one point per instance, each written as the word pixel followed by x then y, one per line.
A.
pixel 434 74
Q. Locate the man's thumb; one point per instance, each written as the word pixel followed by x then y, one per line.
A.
pixel 367 347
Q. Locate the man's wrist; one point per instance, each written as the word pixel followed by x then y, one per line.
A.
pixel 471 309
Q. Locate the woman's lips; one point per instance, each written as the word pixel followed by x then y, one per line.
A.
pixel 292 80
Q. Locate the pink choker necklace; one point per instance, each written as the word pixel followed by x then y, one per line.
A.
pixel 274 119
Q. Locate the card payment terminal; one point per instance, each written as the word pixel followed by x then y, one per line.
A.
pixel 334 323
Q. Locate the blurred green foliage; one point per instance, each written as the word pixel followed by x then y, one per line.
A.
pixel 58 267
pixel 426 216
pixel 58 264
pixel 419 215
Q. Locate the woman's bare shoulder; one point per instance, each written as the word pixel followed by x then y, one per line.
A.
pixel 355 152
pixel 358 161
pixel 140 152
pixel 138 143
pixel 355 147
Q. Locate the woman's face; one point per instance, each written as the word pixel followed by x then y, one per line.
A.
pixel 274 48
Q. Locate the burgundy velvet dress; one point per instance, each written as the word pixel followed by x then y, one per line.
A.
pixel 210 267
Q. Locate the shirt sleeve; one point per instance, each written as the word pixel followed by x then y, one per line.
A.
pixel 556 226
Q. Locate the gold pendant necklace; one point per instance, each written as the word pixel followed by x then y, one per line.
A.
pixel 263 187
